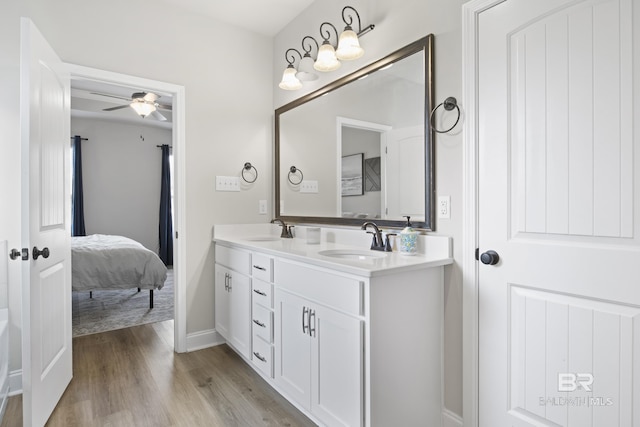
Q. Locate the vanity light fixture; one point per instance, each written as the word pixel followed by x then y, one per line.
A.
pixel 143 107
pixel 306 71
pixel 327 59
pixel 289 79
pixel 348 44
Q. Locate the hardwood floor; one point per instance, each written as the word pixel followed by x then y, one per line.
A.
pixel 132 377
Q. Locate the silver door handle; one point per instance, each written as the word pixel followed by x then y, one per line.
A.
pixel 305 312
pixel 312 331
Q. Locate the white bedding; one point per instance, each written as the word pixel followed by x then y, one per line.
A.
pixel 102 261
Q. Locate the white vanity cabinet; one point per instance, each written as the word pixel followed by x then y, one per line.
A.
pixel 351 342
pixel 319 359
pixel 233 297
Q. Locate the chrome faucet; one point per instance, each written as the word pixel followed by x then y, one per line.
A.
pixel 286 229
pixel 378 243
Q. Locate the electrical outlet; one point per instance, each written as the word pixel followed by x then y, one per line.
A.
pixel 227 183
pixel 444 207
pixel 262 207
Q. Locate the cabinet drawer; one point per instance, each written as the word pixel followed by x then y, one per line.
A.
pixel 262 293
pixel 322 286
pixel 262 323
pixel 235 259
pixel 262 356
pixel 262 267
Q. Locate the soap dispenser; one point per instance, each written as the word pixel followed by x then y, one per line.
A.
pixel 408 239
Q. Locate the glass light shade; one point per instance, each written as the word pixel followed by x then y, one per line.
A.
pixel 305 69
pixel 327 60
pixel 349 46
pixel 289 79
pixel 143 108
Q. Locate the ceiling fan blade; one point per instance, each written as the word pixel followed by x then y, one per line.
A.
pixel 110 96
pixel 156 115
pixel 115 108
pixel 164 106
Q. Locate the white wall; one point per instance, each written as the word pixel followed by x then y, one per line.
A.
pixel 228 114
pixel 399 23
pixel 122 167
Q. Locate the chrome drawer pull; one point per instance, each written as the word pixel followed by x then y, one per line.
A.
pixel 260 292
pixel 260 268
pixel 260 358
pixel 262 325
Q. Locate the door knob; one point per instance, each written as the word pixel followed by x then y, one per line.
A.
pixel 37 252
pixel 19 254
pixel 490 257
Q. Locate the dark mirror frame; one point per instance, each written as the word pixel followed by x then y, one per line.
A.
pixel 424 45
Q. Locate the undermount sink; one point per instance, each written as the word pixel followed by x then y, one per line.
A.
pixel 352 254
pixel 262 238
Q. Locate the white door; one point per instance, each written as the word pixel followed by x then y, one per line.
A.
pixel 336 367
pixel 46 294
pixel 404 178
pixel 240 313
pixel 559 314
pixel 222 301
pixel 293 349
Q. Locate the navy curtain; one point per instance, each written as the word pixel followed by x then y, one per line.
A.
pixel 166 220
pixel 77 198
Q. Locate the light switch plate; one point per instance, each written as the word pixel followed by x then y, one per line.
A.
pixel 308 186
pixel 227 183
pixel 262 207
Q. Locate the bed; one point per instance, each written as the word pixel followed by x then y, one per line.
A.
pixel 101 261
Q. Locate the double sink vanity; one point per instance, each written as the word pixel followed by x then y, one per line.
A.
pixel 350 336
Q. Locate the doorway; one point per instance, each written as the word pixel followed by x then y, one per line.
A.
pixel 176 93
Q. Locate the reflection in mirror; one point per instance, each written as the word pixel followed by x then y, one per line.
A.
pixel 362 144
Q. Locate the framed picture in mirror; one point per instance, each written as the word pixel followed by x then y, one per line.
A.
pixel 352 176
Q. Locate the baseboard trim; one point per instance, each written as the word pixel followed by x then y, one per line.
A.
pixel 451 419
pixel 204 339
pixel 15 382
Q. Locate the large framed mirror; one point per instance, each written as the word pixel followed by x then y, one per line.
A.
pixel 361 148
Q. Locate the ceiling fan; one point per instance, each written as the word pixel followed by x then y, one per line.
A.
pixel 144 103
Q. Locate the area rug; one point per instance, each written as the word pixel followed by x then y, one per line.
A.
pixel 117 309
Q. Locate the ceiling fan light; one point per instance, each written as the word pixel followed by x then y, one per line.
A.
pixel 289 79
pixel 143 108
pixel 349 45
pixel 306 72
pixel 327 60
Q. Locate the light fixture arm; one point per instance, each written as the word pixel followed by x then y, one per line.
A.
pixel 328 37
pixel 350 21
pixel 293 58
pixel 307 52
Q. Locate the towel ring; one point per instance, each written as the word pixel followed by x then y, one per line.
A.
pixel 292 171
pixel 247 167
pixel 449 104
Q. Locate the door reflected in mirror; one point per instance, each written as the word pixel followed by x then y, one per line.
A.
pixel 362 141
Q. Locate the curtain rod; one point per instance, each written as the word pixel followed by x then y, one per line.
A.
pixel 160 146
pixel 82 139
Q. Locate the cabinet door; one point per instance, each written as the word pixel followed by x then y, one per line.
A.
pixel 222 301
pixel 240 313
pixel 293 349
pixel 336 367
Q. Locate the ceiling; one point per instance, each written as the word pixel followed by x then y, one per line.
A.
pixel 265 17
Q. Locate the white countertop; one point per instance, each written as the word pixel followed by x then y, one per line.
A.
pixel 434 251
